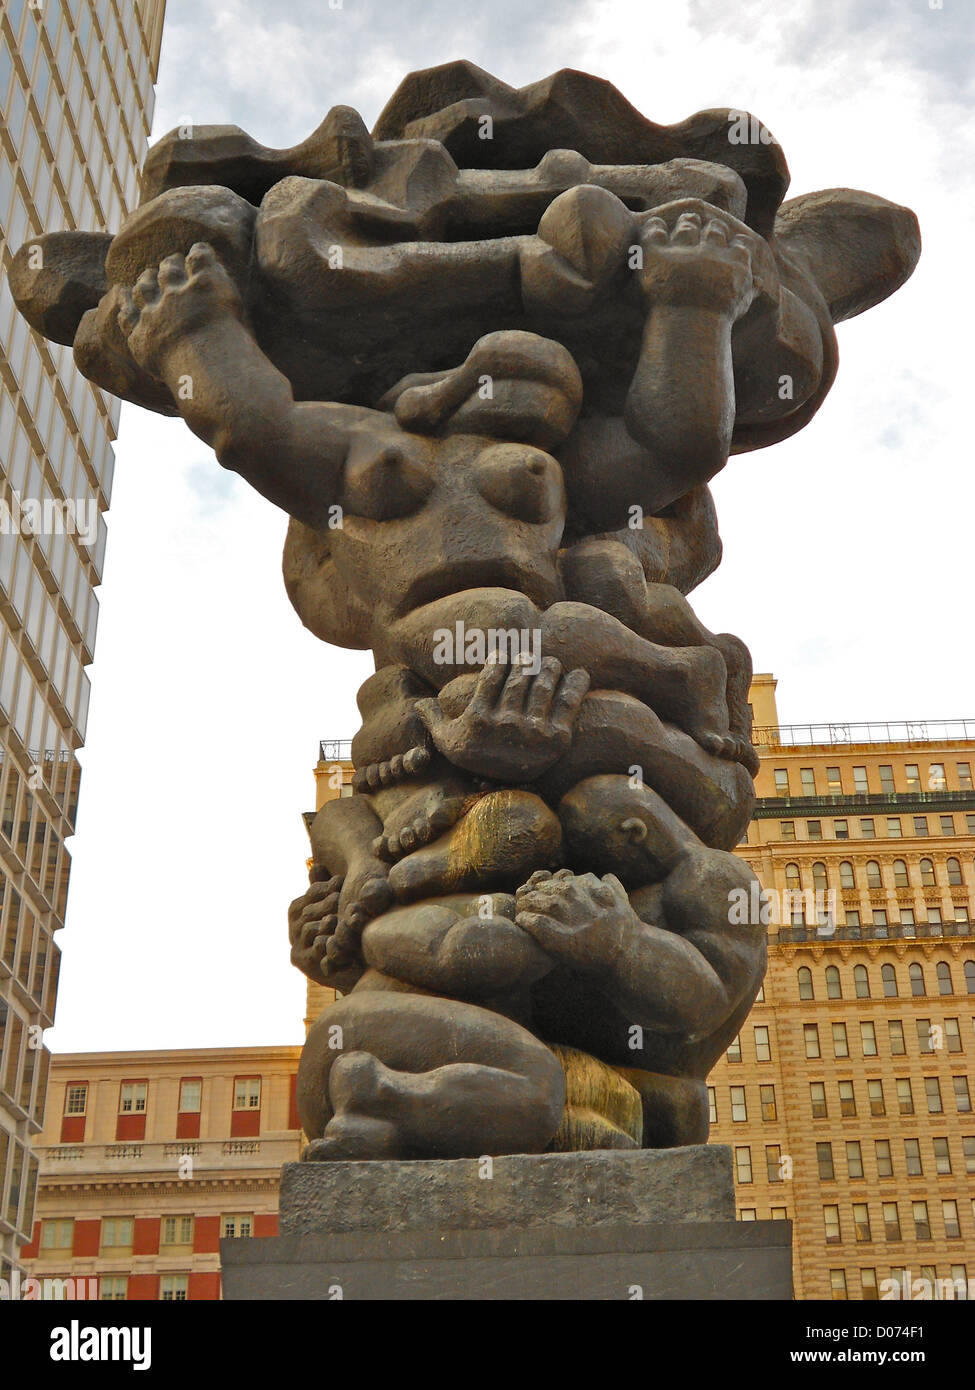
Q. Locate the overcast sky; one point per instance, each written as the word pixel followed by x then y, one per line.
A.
pixel 848 550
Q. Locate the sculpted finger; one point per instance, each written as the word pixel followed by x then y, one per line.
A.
pixel 687 232
pixel 512 697
pixel 430 712
pixel 146 289
pixel 571 692
pixel 172 271
pixel 543 688
pixel 655 231
pixel 201 256
pixel 489 685
pixel 128 314
pixel 716 231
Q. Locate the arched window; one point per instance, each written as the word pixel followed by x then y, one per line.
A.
pixel 900 874
pixel 805 982
pixel 834 990
pixel 945 985
pixel 889 977
pixel 970 976
pixel 873 874
pixel 820 881
pixel 954 871
pixel 847 876
pixel 862 981
pixel 927 873
pixel 793 878
pixel 916 973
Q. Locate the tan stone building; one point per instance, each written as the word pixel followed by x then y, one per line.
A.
pixel 148 1158
pixel 76 98
pixel 848 1096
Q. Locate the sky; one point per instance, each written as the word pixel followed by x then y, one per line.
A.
pixel 847 550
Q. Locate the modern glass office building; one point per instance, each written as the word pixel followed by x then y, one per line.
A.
pixel 76 98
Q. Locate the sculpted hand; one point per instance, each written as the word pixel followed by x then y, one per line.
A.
pixel 185 294
pixel 578 920
pixel 312 922
pixel 516 725
pixel 696 256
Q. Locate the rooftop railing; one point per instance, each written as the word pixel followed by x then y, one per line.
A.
pixel 874 731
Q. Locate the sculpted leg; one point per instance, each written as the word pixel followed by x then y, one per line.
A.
pixel 416 1076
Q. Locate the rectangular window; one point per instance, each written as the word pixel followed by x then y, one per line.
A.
pixel 773 1162
pixel 875 1095
pixel 868 830
pixel 925 1038
pixel 841 1046
pixel 190 1095
pixel 116 1233
pixel 848 1104
pixel 895 1029
pixel 57 1235
pixel 912 1155
pixel 968 1148
pixel 885 1162
pixel 947 824
pixel 807 777
pixel 712 1106
pixel 837 1285
pixel 824 1162
pixel 868 1039
pixel 913 777
pixel 937 781
pixel 831 1225
pixel 76 1098
pixel 964 771
pixel 174 1288
pixel 747 1214
pixel 922 1224
pixel 892 1221
pixel 860 784
pixel 132 1097
pixel 177 1230
pixel 854 1159
pixel 763 1050
pixel 963 1099
pixel 932 1094
pixel 734 1050
pixel 814 829
pixel 778 1213
pixel 841 829
pixel 247 1093
pixel 787 829
pixel 781 781
pixel 942 1156
pixel 905 1097
pixel 113 1288
pixel 817 1095
pixel 810 1033
pixel 861 1221
pixel 952 1035
pixel 767 1097
pixel 886 779
pixel 237 1226
pixel 739 1112
pixel 834 782
pixel 920 825
pixel 743 1163
pixel 894 827
pixel 868 1285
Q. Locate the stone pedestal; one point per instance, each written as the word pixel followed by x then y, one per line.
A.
pixel 657 1224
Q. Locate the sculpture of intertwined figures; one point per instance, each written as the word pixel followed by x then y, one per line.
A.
pixel 488 359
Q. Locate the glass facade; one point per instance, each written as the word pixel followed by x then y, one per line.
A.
pixel 76 99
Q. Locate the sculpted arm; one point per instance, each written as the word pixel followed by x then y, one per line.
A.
pixel 185 324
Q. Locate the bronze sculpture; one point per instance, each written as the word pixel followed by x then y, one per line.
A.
pixel 488 359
